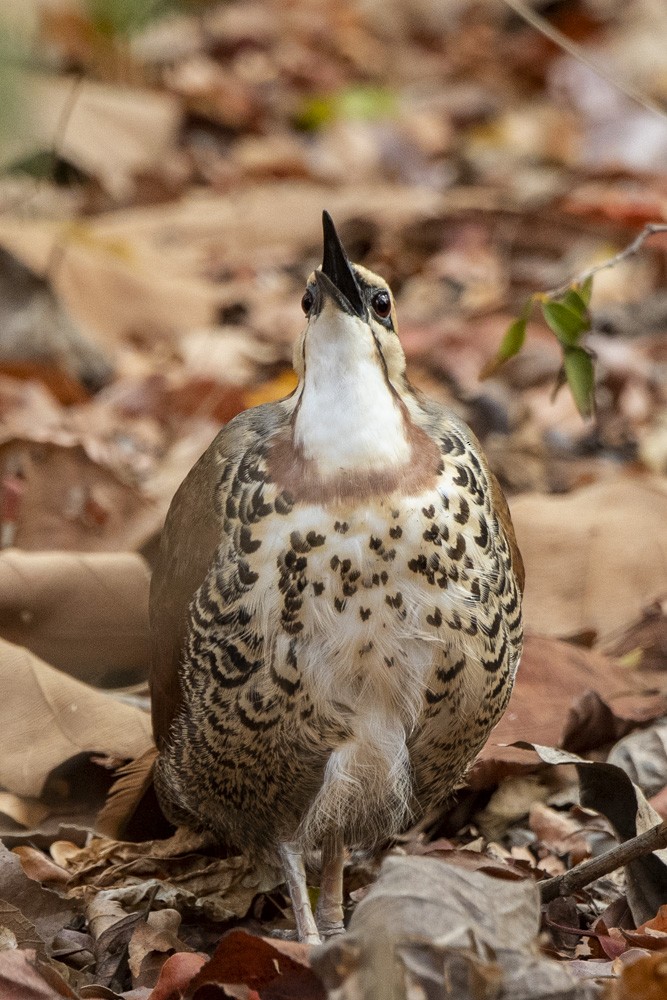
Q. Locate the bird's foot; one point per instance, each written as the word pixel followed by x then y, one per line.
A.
pixel 330 928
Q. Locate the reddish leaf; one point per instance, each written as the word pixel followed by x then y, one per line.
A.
pixel 276 970
pixel 176 975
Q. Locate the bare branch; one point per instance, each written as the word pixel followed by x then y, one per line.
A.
pixel 649 230
pixel 581 876
pixel 579 52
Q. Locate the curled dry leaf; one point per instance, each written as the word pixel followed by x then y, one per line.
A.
pixel 176 974
pixel 24 977
pixel 85 613
pixel 58 493
pixel 553 676
pixel 129 874
pixel 643 756
pixel 608 790
pixel 644 979
pixel 46 718
pixel 423 919
pixel 270 969
pixel 600 574
pixel 156 937
pixel 46 912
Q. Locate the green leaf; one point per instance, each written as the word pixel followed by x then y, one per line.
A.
pixel 573 300
pixel 581 379
pixel 359 102
pixel 567 324
pixel 367 103
pixel 510 345
pixel 126 17
pixel 585 290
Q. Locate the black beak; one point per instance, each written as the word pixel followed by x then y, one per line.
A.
pixel 337 268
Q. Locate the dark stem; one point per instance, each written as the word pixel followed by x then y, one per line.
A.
pixel 581 876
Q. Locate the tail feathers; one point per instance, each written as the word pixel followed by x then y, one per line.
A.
pixel 366 794
pixel 131 811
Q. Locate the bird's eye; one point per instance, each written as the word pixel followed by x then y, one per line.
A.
pixel 381 303
pixel 307 301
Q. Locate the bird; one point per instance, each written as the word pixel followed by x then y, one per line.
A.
pixel 335 608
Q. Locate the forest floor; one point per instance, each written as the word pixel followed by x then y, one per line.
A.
pixel 160 211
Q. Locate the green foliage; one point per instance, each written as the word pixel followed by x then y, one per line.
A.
pixel 114 18
pixel 15 112
pixel 358 102
pixel 568 316
pixel 580 377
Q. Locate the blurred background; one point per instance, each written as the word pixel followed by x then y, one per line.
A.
pixel 164 166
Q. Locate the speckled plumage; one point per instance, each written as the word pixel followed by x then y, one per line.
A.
pixel 331 651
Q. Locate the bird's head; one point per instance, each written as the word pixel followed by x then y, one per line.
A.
pixel 351 317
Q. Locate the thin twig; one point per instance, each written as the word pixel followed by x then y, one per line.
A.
pixel 579 53
pixel 581 876
pixel 57 251
pixel 649 230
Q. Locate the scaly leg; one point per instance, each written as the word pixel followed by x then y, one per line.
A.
pixel 295 876
pixel 329 914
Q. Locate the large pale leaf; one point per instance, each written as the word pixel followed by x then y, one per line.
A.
pixel 47 718
pixel 595 557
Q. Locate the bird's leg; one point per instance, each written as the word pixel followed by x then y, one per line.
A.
pixel 329 913
pixel 295 876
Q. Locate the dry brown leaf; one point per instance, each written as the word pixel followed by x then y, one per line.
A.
pixel 176 974
pixel 39 867
pixel 644 979
pixel 85 613
pixel 552 677
pixel 24 977
pixel 276 968
pixel 558 832
pixel 48 912
pixel 158 936
pixel 130 874
pixel 595 557
pixel 112 132
pixel 424 920
pixel 59 494
pixel 47 717
pixel 28 813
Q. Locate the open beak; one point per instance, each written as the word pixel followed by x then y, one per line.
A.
pixel 336 279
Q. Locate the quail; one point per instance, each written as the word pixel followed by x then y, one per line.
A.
pixel 336 605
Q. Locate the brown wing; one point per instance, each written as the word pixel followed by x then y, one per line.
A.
pixel 193 530
pixel 191 533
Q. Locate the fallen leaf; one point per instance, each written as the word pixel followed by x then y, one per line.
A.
pixel 84 613
pixel 47 718
pixel 644 979
pixel 24 977
pixel 176 974
pixel 600 575
pixel 423 920
pixel 643 757
pixel 271 969
pixel 128 874
pixel 608 790
pixel 112 132
pixel 553 677
pixel 61 493
pixel 43 910
pixel 158 935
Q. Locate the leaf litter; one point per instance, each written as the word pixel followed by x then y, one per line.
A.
pixel 154 240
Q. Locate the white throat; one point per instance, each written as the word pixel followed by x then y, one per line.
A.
pixel 348 419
